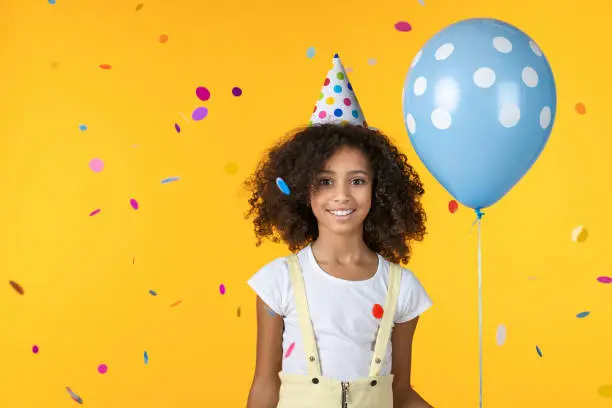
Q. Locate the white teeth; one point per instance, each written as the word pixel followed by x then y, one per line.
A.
pixel 342 213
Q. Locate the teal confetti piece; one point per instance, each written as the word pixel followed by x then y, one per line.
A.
pixel 280 183
pixel 310 52
pixel 152 292
pixel 82 128
pixel 539 351
pixel 582 315
pixel 169 180
pixel 146 358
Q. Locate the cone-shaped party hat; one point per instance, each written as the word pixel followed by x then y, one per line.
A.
pixel 337 102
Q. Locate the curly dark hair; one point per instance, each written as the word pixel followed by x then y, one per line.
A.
pixel 396 216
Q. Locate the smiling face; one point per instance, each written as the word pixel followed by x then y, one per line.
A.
pixel 344 193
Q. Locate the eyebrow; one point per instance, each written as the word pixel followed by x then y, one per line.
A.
pixel 350 172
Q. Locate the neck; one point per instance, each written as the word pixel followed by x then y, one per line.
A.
pixel 345 249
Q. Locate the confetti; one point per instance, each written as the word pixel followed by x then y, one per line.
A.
pixel 422 2
pixel 146 357
pixel 152 292
pixel 102 368
pixel 133 260
pixel 177 128
pixel 82 128
pixel 605 391
pixel 139 7
pixel 453 206
pixel 236 91
pixel 163 38
pixel 289 350
pixel 231 168
pixel 403 26
pixel 270 312
pixel 74 396
pixel 580 108
pixel 94 212
pixel 54 64
pixel 51 1
pixel 176 303
pixel 238 312
pixel 310 52
pixel 222 289
pixel 199 113
pixel 106 66
pixel 203 93
pixel 35 349
pixel 372 61
pixel 582 315
pixel 579 234
pixel 604 279
pixel 169 180
pixel 280 183
pixel 539 351
pixel 17 287
pixel 378 311
pixel 134 203
pixel 96 165
pixel 501 334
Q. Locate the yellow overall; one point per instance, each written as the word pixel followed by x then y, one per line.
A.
pixel 315 391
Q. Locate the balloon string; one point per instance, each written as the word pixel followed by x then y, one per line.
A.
pixel 479 215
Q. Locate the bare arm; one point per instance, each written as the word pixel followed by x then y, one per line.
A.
pixel 268 363
pixel 403 394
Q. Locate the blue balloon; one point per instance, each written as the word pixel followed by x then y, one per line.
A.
pixel 479 104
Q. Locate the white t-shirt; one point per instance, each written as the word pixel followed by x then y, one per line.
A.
pixel 341 314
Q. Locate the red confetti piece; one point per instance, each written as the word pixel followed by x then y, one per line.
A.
pixel 17 287
pixel 453 206
pixel 94 212
pixel 403 26
pixel 176 303
pixel 105 66
pixel 604 279
pixel 289 350
pixel 163 38
pixel 378 311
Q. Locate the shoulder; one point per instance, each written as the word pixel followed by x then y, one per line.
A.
pixel 412 298
pixel 273 284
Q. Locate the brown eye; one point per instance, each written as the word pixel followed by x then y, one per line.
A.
pixel 359 181
pixel 324 182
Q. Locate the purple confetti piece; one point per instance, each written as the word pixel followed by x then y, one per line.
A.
pixel 177 128
pixel 236 91
pixel 604 279
pixel 94 212
pixel 199 113
pixel 134 204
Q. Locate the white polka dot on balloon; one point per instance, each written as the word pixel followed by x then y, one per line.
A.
pixel 502 44
pixel 509 115
pixel 420 85
pixel 484 77
pixel 411 123
pixel 534 47
pixel 444 51
pixel 441 119
pixel 545 117
pixel 416 59
pixel 530 77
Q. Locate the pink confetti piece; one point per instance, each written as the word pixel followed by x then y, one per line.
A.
pixel 94 212
pixel 96 165
pixel 102 368
pixel 289 350
pixel 604 279
pixel 203 93
pixel 222 289
pixel 35 349
pixel 134 203
pixel 403 26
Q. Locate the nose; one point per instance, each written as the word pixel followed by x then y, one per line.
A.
pixel 341 193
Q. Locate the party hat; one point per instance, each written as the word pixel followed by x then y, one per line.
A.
pixel 337 102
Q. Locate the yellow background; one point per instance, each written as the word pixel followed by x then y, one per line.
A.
pixel 86 279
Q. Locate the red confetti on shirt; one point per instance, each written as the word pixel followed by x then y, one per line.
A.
pixel 378 311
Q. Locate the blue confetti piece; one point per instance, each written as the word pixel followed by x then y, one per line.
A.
pixel 539 351
pixel 270 312
pixel 582 314
pixel 146 357
pixel 310 52
pixel 169 180
pixel 82 128
pixel 152 292
pixel 422 2
pixel 282 186
pixel 51 1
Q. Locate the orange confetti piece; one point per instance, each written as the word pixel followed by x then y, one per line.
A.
pixel 580 108
pixel 139 7
pixel 176 303
pixel 378 311
pixel 163 38
pixel 105 66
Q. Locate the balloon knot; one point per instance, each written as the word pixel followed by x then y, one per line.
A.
pixel 479 213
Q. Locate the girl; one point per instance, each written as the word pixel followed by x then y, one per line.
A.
pixel 329 315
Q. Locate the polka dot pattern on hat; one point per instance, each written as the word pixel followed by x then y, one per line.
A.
pixel 337 102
